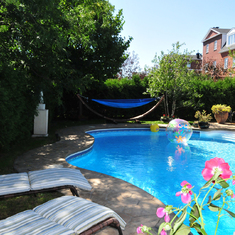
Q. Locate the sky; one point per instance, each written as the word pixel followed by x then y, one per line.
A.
pixel 157 24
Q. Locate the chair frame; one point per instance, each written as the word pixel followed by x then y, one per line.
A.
pixel 71 187
pixel 108 222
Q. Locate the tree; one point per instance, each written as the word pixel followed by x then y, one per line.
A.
pixel 215 71
pixel 66 43
pixel 170 78
pixel 59 45
pixel 130 66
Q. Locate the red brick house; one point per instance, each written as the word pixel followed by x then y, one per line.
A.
pixel 195 62
pixel 216 45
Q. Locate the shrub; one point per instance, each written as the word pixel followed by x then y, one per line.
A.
pixel 17 106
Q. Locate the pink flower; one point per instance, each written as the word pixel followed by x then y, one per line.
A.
pixel 163 232
pixel 139 229
pixel 161 212
pixel 216 164
pixel 233 182
pixel 185 192
pixel 166 227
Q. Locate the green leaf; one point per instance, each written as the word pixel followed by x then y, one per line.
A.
pixel 231 213
pixel 183 230
pixel 213 178
pixel 199 229
pixel 181 219
pixel 160 228
pixel 195 213
pixel 209 200
pixel 213 207
pixel 223 183
pixel 217 195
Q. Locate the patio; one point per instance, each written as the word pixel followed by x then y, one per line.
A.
pixel 133 204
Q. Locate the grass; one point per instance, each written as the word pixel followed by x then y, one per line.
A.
pixel 11 206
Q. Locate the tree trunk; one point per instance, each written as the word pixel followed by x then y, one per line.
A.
pixel 167 107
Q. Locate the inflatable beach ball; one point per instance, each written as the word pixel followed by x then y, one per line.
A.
pixel 154 128
pixel 179 131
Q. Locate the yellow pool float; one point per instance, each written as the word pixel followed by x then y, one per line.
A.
pixel 154 128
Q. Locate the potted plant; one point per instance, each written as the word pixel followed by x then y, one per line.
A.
pixel 203 119
pixel 165 118
pixel 221 112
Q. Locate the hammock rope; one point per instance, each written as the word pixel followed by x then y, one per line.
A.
pixel 122 120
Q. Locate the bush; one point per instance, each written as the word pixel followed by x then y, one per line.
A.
pixel 206 93
pixel 17 106
pixel 110 89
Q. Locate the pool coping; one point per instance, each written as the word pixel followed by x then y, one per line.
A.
pixel 133 204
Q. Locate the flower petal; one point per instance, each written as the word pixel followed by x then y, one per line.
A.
pixel 167 218
pixel 178 193
pixel 183 183
pixel 214 162
pixel 163 232
pixel 207 173
pixel 226 172
pixel 233 182
pixel 160 212
pixel 189 186
pixel 186 198
pixel 139 229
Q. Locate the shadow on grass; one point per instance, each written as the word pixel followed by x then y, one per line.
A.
pixel 12 206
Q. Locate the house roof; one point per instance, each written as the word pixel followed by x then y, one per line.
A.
pixel 227 48
pixel 217 30
pixel 192 57
pixel 195 57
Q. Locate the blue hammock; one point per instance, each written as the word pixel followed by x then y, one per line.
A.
pixel 124 103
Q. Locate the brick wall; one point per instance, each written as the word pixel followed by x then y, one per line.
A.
pixel 213 55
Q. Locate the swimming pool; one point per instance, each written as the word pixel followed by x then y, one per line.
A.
pixel 149 161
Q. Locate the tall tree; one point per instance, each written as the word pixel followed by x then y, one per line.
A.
pixel 130 66
pixel 54 45
pixel 63 42
pixel 170 77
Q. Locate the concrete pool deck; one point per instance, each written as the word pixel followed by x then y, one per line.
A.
pixel 133 204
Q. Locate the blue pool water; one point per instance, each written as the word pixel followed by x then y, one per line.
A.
pixel 149 161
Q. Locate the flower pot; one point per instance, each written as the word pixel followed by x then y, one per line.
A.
pixel 203 125
pixel 164 119
pixel 221 117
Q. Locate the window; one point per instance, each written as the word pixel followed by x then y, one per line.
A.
pixel 233 62
pixel 225 63
pixel 207 48
pixel 231 39
pixel 214 63
pixel 188 65
pixel 215 45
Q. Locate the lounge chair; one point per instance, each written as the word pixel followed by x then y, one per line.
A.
pixel 64 215
pixel 18 184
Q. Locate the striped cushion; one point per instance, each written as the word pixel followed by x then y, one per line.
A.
pixel 28 222
pixel 57 177
pixel 14 183
pixel 76 213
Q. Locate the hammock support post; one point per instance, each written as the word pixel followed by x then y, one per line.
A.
pixel 122 120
